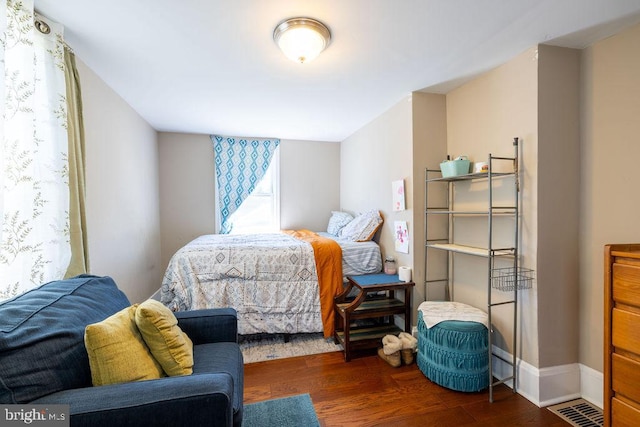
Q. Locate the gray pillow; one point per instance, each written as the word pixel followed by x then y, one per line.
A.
pixel 362 227
pixel 337 221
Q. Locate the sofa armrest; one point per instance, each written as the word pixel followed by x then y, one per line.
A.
pixel 193 400
pixel 209 325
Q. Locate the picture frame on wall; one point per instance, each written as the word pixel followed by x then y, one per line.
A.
pixel 401 236
pixel 398 195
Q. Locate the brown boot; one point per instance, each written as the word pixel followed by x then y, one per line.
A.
pixel 390 352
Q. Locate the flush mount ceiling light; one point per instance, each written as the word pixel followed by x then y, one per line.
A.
pixel 301 39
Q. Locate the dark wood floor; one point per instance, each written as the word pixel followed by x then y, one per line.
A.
pixel 369 392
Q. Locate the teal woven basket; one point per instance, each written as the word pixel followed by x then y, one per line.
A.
pixel 454 354
pixel 451 168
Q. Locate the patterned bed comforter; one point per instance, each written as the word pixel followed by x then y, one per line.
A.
pixel 270 279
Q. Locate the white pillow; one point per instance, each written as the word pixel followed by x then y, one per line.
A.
pixel 362 227
pixel 337 221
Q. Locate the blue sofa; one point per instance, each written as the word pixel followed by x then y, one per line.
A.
pixel 43 361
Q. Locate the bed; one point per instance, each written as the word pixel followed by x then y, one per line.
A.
pixel 278 282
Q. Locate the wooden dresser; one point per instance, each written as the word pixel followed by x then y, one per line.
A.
pixel 622 335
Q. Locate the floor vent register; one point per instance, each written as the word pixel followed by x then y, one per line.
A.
pixel 579 413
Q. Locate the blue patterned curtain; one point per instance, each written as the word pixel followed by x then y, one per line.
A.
pixel 240 165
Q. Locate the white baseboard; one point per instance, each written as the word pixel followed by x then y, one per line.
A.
pixel 592 385
pixel 548 386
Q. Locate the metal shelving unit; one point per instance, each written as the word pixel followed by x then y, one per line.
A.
pixel 508 279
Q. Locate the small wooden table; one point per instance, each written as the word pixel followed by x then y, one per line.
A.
pixel 369 304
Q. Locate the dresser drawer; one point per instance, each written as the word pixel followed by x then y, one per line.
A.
pixel 626 284
pixel 625 330
pixel 625 377
pixel 623 414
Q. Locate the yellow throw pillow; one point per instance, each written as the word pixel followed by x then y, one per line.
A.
pixel 117 352
pixel 171 347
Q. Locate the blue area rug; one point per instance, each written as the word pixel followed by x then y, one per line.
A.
pixel 294 411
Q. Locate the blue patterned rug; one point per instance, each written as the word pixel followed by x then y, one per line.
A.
pixel 294 411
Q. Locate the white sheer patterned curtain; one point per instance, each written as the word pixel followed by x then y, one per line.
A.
pixel 34 167
pixel 240 165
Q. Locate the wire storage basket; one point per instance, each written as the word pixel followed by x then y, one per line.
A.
pixel 506 279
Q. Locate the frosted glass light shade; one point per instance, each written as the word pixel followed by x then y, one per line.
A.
pixel 301 39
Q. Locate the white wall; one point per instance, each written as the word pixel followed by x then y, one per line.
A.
pixel 309 187
pixel 122 190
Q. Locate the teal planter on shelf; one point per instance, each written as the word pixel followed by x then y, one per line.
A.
pixel 456 167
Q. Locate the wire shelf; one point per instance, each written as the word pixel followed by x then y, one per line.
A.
pixel 505 279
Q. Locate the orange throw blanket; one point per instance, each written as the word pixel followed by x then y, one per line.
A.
pixel 328 256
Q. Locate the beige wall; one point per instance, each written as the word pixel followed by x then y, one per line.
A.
pixel 483 116
pixel 309 187
pixel 371 159
pixel 537 102
pixel 429 117
pixel 309 184
pixel 534 97
pixel 122 177
pixel 399 144
pixel 122 190
pixel 609 202
pixel 187 196
pixel 558 204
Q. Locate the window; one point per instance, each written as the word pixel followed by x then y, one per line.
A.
pixel 260 212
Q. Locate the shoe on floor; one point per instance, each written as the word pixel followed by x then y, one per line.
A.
pixel 409 345
pixel 390 352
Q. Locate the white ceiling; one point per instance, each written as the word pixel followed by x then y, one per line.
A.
pixel 211 66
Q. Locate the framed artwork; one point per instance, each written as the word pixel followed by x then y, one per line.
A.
pixel 398 195
pixel 401 236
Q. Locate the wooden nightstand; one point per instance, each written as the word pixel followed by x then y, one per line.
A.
pixel 362 321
